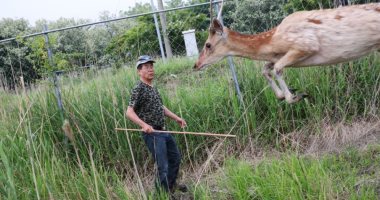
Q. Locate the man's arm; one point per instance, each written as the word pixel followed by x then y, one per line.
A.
pixel 131 114
pixel 173 116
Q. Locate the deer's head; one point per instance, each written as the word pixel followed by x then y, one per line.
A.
pixel 215 47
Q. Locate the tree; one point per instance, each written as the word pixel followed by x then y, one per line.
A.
pixel 70 49
pixel 13 55
pixel 135 41
pixel 183 20
pixel 174 3
pixel 253 16
pixel 297 5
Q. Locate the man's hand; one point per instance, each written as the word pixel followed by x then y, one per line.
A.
pixel 147 128
pixel 173 116
pixel 181 122
pixel 133 116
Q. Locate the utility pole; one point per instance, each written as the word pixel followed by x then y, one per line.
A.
pixel 158 31
pixel 168 48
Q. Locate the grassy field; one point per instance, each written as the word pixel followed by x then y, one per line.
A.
pixel 85 158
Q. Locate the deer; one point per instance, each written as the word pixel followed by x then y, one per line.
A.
pixel 304 38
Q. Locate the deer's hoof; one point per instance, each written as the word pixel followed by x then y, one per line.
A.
pixel 299 97
pixel 296 98
pixel 292 90
pixel 303 95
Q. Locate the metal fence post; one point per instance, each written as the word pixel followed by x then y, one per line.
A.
pixel 58 92
pixel 55 74
pixel 232 66
pixel 50 55
pixel 234 77
pixel 158 32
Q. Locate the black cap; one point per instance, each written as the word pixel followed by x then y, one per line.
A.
pixel 144 59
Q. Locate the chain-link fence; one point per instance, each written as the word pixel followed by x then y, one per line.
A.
pixel 77 45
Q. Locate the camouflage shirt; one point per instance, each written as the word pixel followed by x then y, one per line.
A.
pixel 147 103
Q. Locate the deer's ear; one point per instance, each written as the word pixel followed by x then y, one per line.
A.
pixel 217 26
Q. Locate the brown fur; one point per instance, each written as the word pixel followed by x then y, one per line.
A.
pixel 315 21
pixel 338 17
pixel 256 41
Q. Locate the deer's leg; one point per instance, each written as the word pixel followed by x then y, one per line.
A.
pixel 292 57
pixel 268 67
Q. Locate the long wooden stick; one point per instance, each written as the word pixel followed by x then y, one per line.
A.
pixel 179 132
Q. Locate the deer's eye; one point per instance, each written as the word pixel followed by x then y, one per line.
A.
pixel 208 45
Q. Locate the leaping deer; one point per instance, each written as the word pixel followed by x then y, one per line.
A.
pixel 306 38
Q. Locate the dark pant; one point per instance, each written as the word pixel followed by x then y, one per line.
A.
pixel 167 156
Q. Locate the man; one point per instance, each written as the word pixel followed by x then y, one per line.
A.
pixel 146 110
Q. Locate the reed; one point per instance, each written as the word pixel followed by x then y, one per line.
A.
pixel 38 161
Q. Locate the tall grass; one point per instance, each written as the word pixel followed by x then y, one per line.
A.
pixel 38 160
pixel 300 177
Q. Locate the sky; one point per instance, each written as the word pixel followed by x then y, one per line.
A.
pixel 51 10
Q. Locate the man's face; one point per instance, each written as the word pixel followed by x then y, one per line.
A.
pixel 147 71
